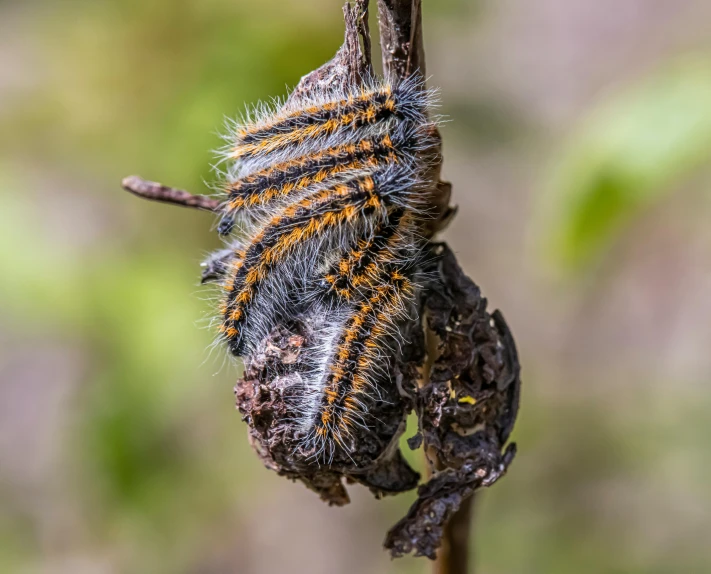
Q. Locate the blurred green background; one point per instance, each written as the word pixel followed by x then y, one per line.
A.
pixel 579 148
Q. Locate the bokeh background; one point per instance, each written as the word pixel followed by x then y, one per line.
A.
pixel 579 148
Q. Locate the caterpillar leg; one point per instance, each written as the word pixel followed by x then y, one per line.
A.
pixel 216 266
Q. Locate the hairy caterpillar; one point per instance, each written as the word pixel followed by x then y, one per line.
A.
pixel 327 193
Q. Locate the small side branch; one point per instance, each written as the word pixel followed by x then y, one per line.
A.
pixel 159 192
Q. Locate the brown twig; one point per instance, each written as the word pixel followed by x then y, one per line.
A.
pixel 403 55
pixel 159 192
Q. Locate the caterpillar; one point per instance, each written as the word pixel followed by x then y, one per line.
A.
pixel 353 366
pixel 322 214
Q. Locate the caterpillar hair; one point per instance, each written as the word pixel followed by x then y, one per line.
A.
pixel 323 206
pixel 269 146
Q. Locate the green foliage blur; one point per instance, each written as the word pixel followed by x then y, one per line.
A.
pixel 633 149
pixel 120 448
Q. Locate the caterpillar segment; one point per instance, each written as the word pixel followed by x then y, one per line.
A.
pixel 316 120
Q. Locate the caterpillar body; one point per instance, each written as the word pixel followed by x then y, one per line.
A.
pixel 326 196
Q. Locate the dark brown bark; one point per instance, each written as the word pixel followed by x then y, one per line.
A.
pixel 401 38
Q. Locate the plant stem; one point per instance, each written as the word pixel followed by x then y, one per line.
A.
pixel 159 192
pixel 453 557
